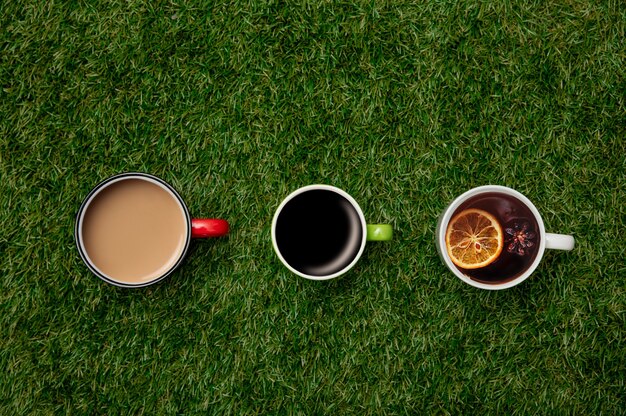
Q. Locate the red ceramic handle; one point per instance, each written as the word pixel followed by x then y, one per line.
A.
pixel 208 227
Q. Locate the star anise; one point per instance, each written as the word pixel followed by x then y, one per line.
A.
pixel 519 238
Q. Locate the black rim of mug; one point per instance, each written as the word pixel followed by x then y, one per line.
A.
pixel 78 225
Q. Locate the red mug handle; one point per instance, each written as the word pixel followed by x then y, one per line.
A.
pixel 208 227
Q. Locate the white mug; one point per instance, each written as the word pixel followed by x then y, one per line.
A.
pixel 306 224
pixel 546 240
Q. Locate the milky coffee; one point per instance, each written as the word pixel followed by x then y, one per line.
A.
pixel 134 231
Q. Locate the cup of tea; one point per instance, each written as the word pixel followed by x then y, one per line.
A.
pixel 492 237
pixel 319 232
pixel 133 230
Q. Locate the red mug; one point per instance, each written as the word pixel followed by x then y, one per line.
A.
pixel 133 230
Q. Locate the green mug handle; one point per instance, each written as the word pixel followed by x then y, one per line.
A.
pixel 379 232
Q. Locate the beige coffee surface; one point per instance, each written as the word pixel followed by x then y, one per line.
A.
pixel 134 231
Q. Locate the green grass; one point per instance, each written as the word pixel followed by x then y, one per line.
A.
pixel 405 106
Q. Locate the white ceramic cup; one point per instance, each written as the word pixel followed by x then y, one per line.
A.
pixel 364 232
pixel 546 240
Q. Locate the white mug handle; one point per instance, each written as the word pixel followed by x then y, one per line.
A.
pixel 559 241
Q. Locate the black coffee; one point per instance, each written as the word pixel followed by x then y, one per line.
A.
pixel 319 232
pixel 521 237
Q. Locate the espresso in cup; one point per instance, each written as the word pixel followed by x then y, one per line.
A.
pixel 319 232
pixel 134 229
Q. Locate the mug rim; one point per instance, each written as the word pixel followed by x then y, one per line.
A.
pixel 89 199
pixel 350 199
pixel 447 216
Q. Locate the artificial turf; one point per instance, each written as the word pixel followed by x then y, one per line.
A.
pixel 404 105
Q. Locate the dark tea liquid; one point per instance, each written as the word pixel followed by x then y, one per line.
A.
pixel 512 214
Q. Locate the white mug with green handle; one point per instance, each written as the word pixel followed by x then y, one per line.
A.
pixel 319 232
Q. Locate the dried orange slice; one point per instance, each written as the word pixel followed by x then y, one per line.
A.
pixel 474 239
